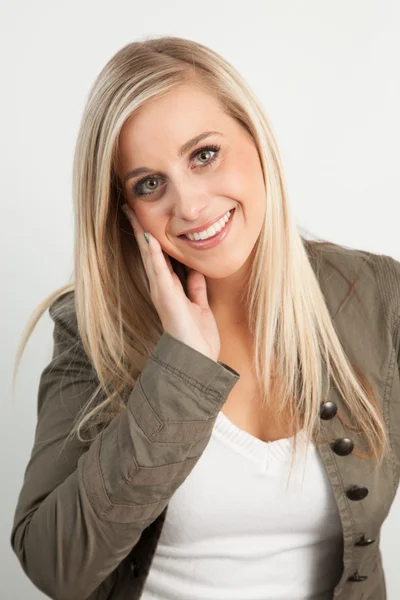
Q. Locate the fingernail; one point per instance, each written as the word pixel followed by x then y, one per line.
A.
pixel 146 237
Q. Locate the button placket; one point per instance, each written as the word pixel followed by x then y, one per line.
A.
pixel 343 447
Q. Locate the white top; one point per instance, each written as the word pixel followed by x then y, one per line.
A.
pixel 237 529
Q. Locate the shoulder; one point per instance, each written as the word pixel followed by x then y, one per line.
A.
pixel 63 312
pixel 328 257
pixel 375 275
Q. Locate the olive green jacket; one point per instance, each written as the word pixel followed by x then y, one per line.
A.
pixel 88 519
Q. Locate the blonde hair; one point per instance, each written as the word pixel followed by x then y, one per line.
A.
pixel 118 324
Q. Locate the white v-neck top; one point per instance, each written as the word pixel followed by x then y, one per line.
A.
pixel 238 529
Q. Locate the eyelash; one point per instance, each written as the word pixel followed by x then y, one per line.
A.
pixel 215 149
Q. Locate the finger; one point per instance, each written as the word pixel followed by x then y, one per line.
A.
pixel 161 265
pixel 171 270
pixel 169 265
pixel 141 242
pixel 157 264
pixel 197 288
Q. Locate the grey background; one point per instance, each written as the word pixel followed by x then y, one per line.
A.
pixel 327 75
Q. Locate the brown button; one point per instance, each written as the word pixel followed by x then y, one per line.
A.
pixel 364 541
pixel 343 446
pixel 357 577
pixel 327 410
pixel 357 492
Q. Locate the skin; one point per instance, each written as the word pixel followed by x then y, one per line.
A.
pixel 188 194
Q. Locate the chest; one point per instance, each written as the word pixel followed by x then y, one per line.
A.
pixel 244 406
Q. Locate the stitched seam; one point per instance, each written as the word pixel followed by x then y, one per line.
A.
pixel 162 423
pixel 116 504
pixel 382 290
pixel 188 379
pixel 152 442
pixel 150 408
pixel 386 302
pixel 120 456
pixel 109 507
pixel 386 400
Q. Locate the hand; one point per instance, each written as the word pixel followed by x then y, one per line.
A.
pixel 188 319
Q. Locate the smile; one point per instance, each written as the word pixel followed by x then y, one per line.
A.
pixel 212 236
pixel 211 231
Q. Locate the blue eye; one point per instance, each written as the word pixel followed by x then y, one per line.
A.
pixel 136 187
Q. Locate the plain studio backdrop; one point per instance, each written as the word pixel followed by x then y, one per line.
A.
pixel 328 77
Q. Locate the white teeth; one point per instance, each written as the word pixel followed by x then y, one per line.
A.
pixel 216 228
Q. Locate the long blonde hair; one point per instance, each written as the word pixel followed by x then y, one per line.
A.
pixel 118 324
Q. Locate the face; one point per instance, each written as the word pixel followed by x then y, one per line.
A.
pixel 176 192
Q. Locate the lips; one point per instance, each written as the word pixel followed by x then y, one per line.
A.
pixel 206 225
pixel 212 241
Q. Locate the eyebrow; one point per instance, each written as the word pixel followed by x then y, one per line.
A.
pixel 182 150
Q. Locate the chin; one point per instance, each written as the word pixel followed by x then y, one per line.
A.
pixel 218 265
pixel 220 269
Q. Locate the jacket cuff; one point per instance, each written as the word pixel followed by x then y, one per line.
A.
pixel 205 380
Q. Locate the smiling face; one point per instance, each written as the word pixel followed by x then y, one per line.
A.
pixel 179 191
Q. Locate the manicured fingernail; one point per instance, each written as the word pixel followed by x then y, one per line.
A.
pixel 146 237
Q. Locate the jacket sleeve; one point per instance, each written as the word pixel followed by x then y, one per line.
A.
pixel 81 510
pixel 392 290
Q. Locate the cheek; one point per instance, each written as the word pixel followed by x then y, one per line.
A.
pixel 251 181
pixel 245 176
pixel 149 218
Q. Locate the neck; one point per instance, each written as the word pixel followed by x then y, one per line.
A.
pixel 225 297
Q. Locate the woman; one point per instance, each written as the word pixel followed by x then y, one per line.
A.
pixel 187 366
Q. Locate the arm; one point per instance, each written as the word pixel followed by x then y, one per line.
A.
pixel 79 513
pixel 388 278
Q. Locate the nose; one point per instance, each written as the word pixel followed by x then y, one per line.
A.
pixel 189 202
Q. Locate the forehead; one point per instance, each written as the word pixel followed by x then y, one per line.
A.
pixel 168 121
